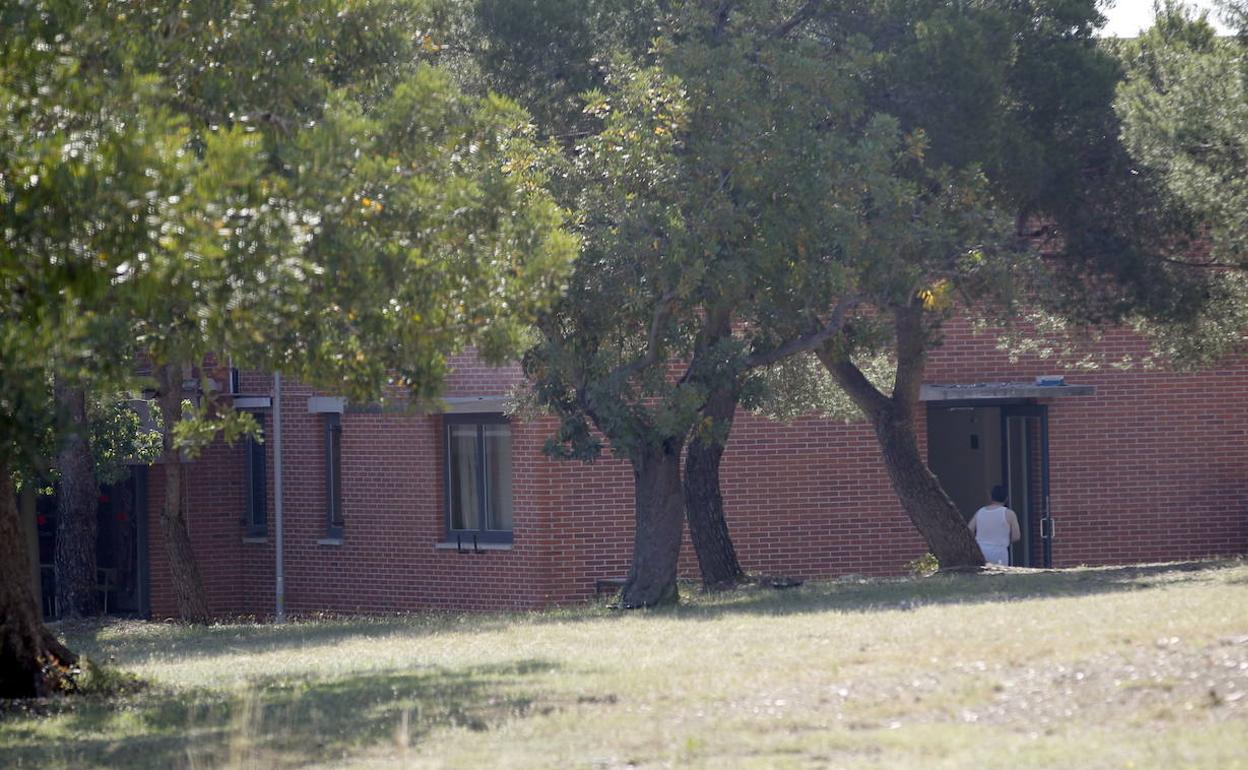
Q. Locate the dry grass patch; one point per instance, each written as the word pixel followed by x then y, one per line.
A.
pixel 1113 667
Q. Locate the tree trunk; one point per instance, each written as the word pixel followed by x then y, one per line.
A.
pixel 922 497
pixel 76 503
pixel 188 586
pixel 28 514
pixel 704 503
pixel 32 662
pixel 659 516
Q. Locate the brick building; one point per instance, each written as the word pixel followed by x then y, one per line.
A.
pixel 399 511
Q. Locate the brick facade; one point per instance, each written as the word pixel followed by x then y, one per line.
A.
pixel 1153 466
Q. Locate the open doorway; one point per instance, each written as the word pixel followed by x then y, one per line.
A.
pixel 121 546
pixel 972 448
pixel 122 578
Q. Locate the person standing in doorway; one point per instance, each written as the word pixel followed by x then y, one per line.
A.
pixel 995 527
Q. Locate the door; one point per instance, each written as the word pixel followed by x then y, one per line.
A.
pixel 1025 464
pixel 121 546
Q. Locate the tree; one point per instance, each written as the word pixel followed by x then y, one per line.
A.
pixel 714 197
pixel 77 496
pixel 548 54
pixel 931 149
pixel 1184 111
pixel 354 219
pixel 76 167
pixel 1012 141
pixel 102 437
pixel 361 240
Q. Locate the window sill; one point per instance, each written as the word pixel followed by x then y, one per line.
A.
pixel 330 541
pixel 467 547
pixel 255 539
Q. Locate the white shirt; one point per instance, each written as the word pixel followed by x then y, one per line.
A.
pixel 995 525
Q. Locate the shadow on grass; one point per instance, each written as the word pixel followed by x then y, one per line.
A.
pixel 136 642
pixel 127 643
pixel 276 723
pixel 861 596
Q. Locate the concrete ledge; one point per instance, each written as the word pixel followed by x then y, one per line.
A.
pixel 1001 390
pixel 467 547
pixel 335 541
pixel 474 404
pixel 327 404
pixel 257 539
pixel 253 402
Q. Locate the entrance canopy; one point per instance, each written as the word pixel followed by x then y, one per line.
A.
pixel 1003 390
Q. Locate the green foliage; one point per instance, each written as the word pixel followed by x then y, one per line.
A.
pixel 925 565
pixel 120 439
pixel 1184 107
pixel 104 681
pixel 547 53
pixel 997 142
pixel 800 386
pixel 625 310
pixel 767 171
pixel 84 155
pixel 712 192
pixel 295 184
pixel 202 422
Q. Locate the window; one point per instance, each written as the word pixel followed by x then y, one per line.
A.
pixel 478 478
pixel 333 475
pixel 257 481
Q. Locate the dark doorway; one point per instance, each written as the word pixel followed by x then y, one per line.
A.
pixel 973 447
pixel 121 547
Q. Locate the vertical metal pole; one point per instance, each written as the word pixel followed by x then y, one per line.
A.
pixel 279 579
pixel 1044 485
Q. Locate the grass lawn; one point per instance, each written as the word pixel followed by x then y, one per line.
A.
pixel 1143 667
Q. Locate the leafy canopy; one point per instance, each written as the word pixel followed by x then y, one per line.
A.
pixel 1184 109
pixel 295 184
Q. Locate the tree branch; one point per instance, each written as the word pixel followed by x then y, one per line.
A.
pixel 911 354
pixel 802 15
pixel 865 396
pixel 805 342
pixel 722 12
pixel 661 313
pixel 1211 265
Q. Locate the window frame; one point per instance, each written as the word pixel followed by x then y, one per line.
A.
pixel 256 499
pixel 335 521
pixel 481 533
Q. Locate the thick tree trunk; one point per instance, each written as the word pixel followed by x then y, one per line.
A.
pixel 659 516
pixel 28 514
pixel 922 497
pixel 76 503
pixel 32 662
pixel 188 586
pixel 704 503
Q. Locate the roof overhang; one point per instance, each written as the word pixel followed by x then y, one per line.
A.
pixel 474 404
pixel 1001 390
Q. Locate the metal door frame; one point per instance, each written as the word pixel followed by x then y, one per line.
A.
pixel 1040 411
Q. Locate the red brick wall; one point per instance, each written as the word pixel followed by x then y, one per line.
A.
pixel 213 504
pixel 1153 466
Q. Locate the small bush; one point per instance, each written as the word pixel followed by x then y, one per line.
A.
pixel 107 681
pixel 923 566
